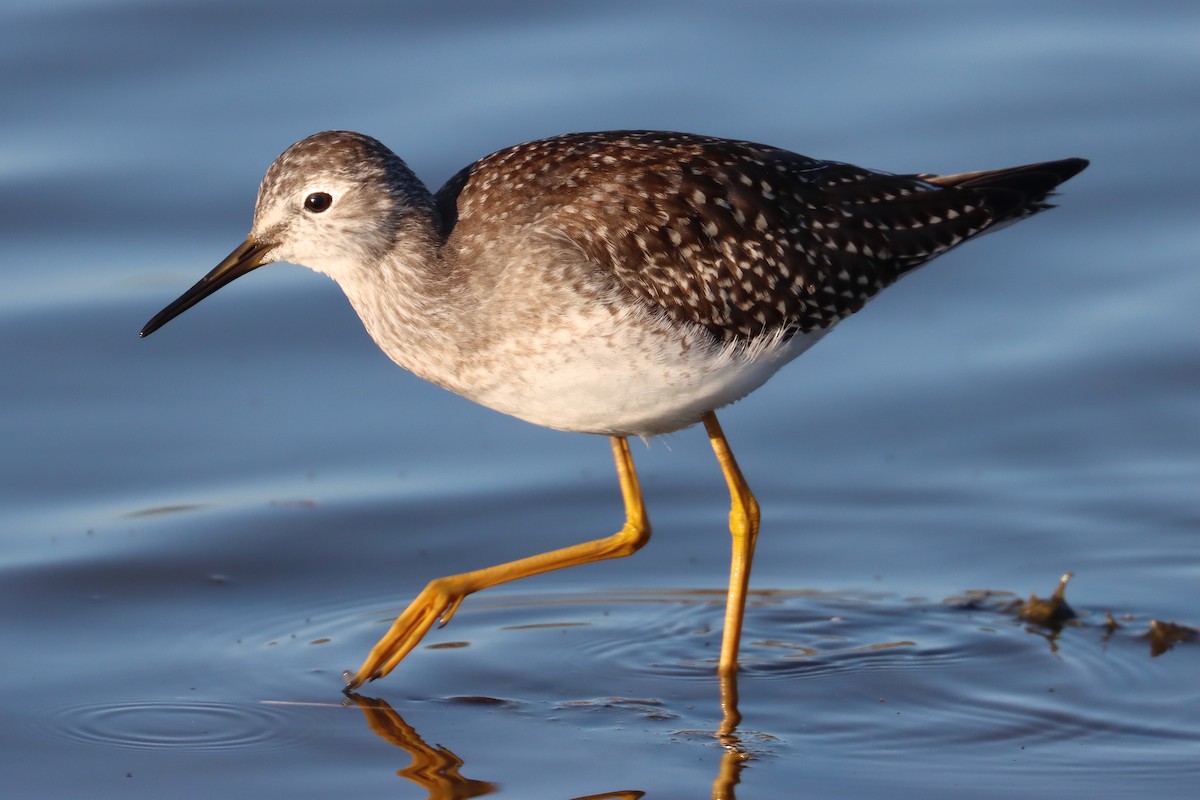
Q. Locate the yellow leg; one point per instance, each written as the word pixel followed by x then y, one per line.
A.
pixel 442 597
pixel 743 526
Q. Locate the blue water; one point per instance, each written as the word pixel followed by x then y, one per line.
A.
pixel 201 530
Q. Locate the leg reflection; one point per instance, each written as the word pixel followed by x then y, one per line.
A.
pixel 734 757
pixel 434 769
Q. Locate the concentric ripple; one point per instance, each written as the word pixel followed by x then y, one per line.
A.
pixel 173 725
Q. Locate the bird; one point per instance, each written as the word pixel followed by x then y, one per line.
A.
pixel 617 283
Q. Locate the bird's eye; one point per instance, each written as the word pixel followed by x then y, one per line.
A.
pixel 318 202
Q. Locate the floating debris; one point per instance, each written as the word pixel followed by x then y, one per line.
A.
pixel 1051 612
pixel 1165 635
pixel 1054 613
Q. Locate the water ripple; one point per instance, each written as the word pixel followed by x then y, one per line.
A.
pixel 173 724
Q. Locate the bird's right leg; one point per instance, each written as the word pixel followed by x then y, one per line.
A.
pixel 743 526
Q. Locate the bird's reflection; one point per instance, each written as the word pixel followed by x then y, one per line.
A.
pixel 436 769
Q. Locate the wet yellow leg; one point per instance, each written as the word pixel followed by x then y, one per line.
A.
pixel 442 597
pixel 743 526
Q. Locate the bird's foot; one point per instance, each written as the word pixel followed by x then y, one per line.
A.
pixel 436 603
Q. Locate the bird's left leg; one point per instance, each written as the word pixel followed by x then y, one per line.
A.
pixel 442 597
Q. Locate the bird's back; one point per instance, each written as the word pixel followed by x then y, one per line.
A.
pixel 741 238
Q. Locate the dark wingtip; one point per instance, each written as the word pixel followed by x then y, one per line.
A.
pixel 1068 168
pixel 1035 180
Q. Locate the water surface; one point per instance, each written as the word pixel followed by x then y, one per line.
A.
pixel 200 531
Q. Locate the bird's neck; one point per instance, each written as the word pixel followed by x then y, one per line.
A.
pixel 408 301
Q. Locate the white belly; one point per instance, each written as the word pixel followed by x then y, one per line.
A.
pixel 622 377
